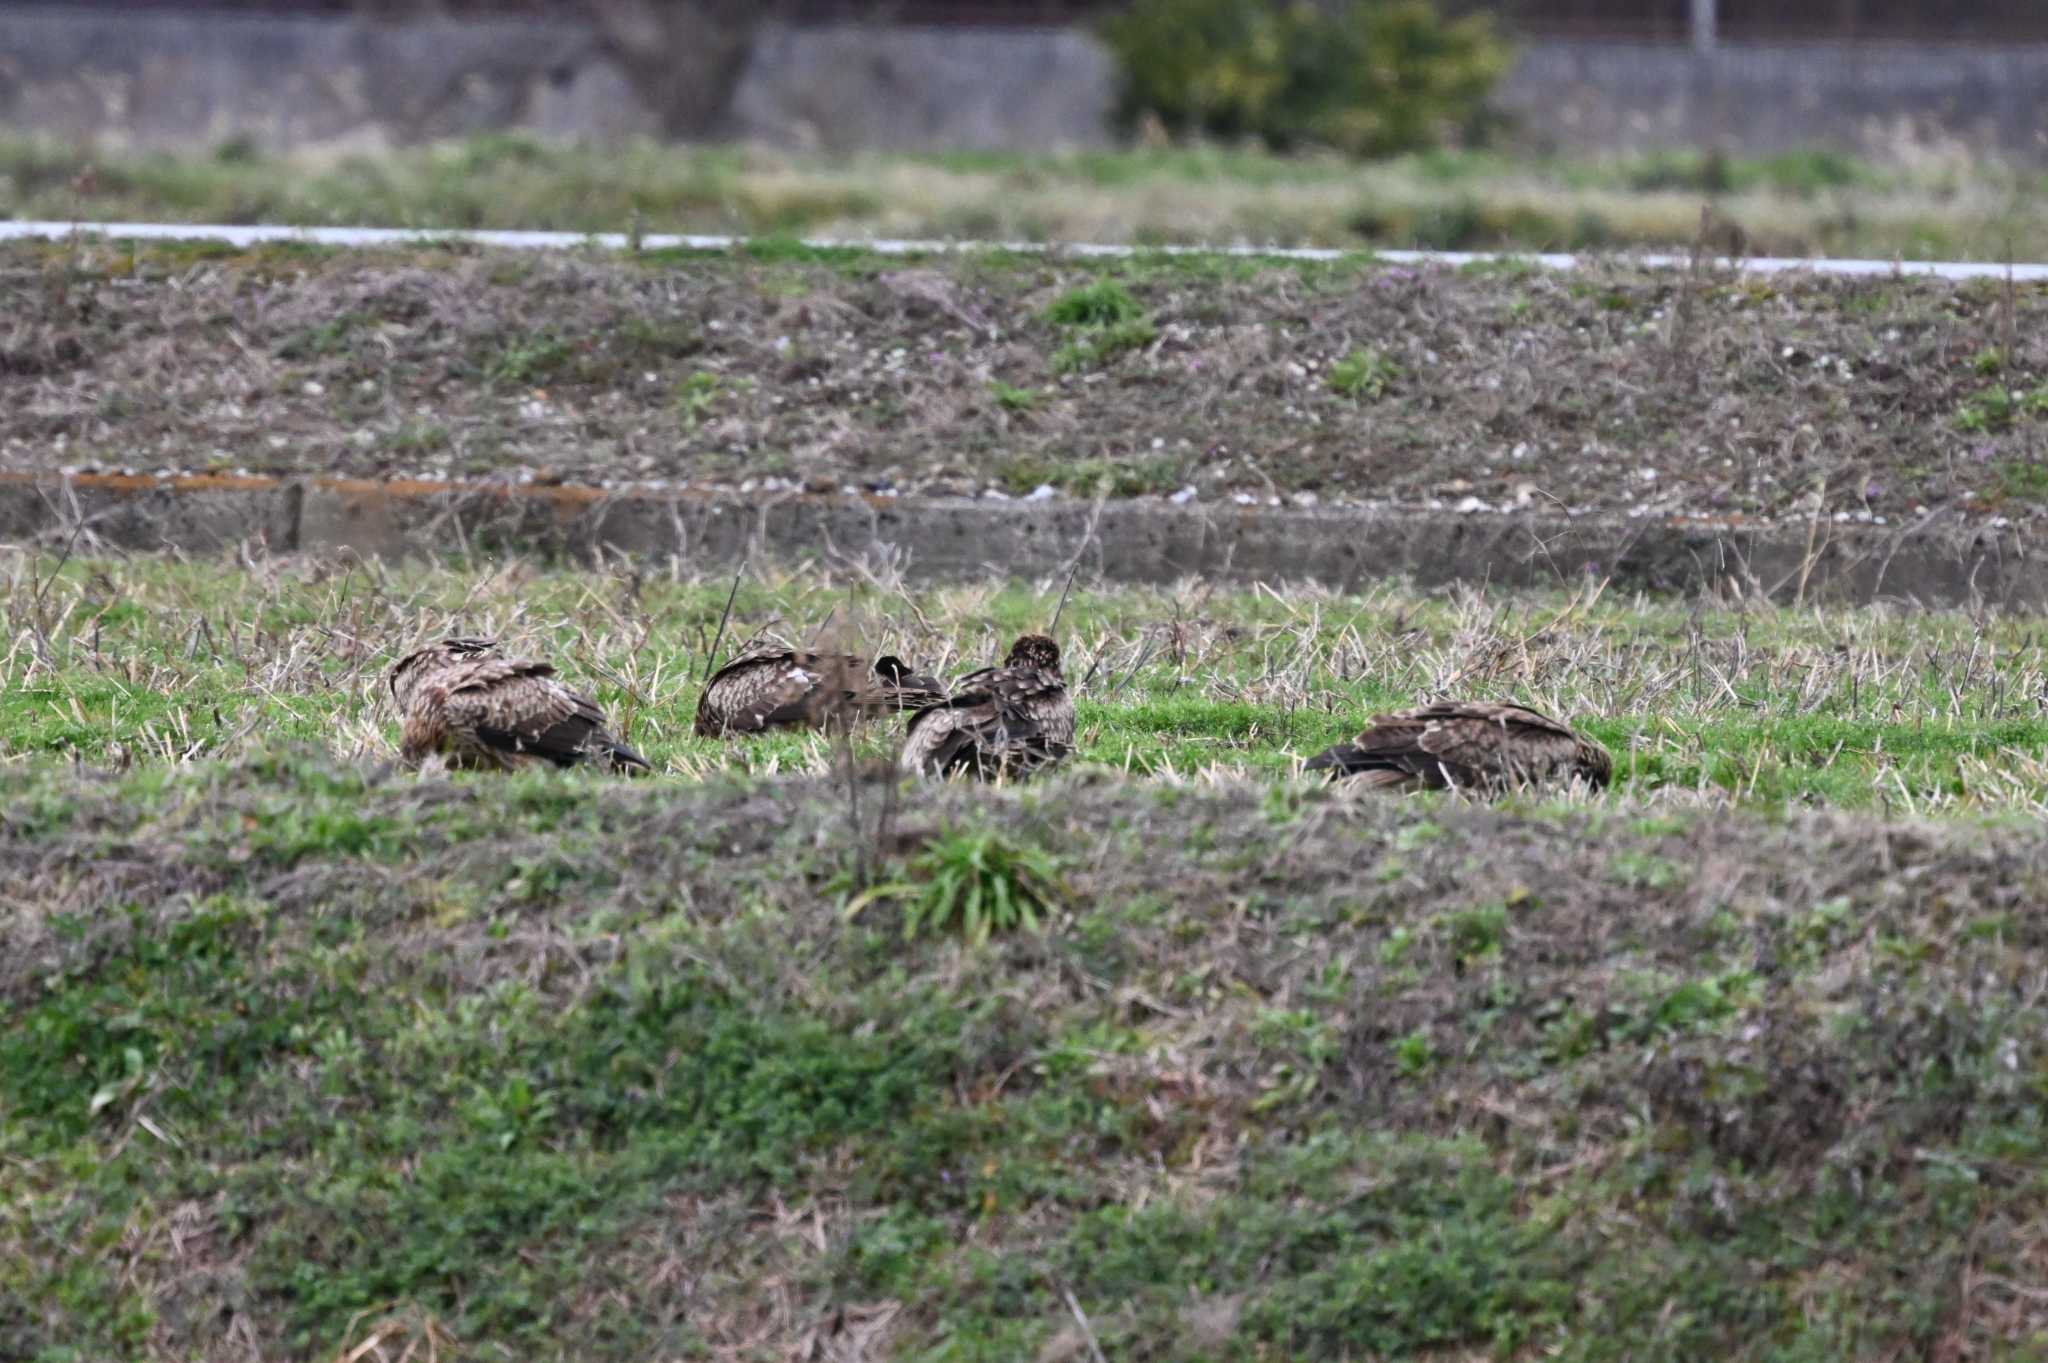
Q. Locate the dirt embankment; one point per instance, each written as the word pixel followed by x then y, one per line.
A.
pixel 1614 392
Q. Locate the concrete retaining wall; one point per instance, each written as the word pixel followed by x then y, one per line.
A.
pixel 952 540
pixel 1874 97
pixel 167 78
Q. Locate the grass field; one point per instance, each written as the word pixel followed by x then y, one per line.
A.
pixel 1612 391
pixel 1921 204
pixel 308 1058
pixel 146 661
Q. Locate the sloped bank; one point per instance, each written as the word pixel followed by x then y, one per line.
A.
pixel 606 1071
pixel 1934 562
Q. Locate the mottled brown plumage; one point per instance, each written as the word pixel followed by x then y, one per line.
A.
pixel 1001 721
pixel 472 707
pixel 793 689
pixel 1478 747
pixel 407 671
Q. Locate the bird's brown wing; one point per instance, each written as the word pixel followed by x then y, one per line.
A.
pixel 1470 745
pixel 746 695
pixel 513 708
pixel 1009 720
pixel 1494 746
pixel 803 690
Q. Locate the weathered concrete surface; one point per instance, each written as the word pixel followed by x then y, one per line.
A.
pixel 170 78
pixel 1931 564
pixel 190 515
pixel 161 77
pixel 1769 97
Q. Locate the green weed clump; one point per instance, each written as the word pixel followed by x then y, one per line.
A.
pixel 1097 346
pixel 1363 375
pixel 975 881
pixel 1998 407
pixel 1106 321
pixel 1102 303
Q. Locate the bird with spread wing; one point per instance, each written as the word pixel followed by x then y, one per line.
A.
pixel 1001 721
pixel 466 705
pixel 784 688
pixel 1474 746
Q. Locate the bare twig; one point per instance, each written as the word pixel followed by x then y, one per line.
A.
pixel 718 639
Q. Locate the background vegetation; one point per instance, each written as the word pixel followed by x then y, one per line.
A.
pixel 1919 203
pixel 1367 77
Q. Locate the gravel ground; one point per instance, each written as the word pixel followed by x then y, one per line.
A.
pixel 1615 392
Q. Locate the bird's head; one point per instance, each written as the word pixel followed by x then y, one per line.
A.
pixel 1035 650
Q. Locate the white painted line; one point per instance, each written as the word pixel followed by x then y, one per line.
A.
pixel 657 241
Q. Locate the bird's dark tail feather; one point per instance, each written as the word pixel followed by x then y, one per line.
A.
pixel 1345 759
pixel 624 761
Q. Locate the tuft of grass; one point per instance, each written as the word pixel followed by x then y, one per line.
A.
pixel 696 396
pixel 1013 399
pixel 974 881
pixel 2023 479
pixel 1997 408
pixel 1102 303
pixel 1363 375
pixel 1097 346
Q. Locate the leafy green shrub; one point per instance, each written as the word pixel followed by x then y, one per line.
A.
pixel 1372 78
pixel 977 880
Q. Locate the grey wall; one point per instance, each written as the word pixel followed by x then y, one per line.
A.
pixel 159 77
pixel 1868 97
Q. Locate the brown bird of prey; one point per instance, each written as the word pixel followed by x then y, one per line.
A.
pixel 1000 721
pixel 794 689
pixel 474 708
pixel 1466 745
